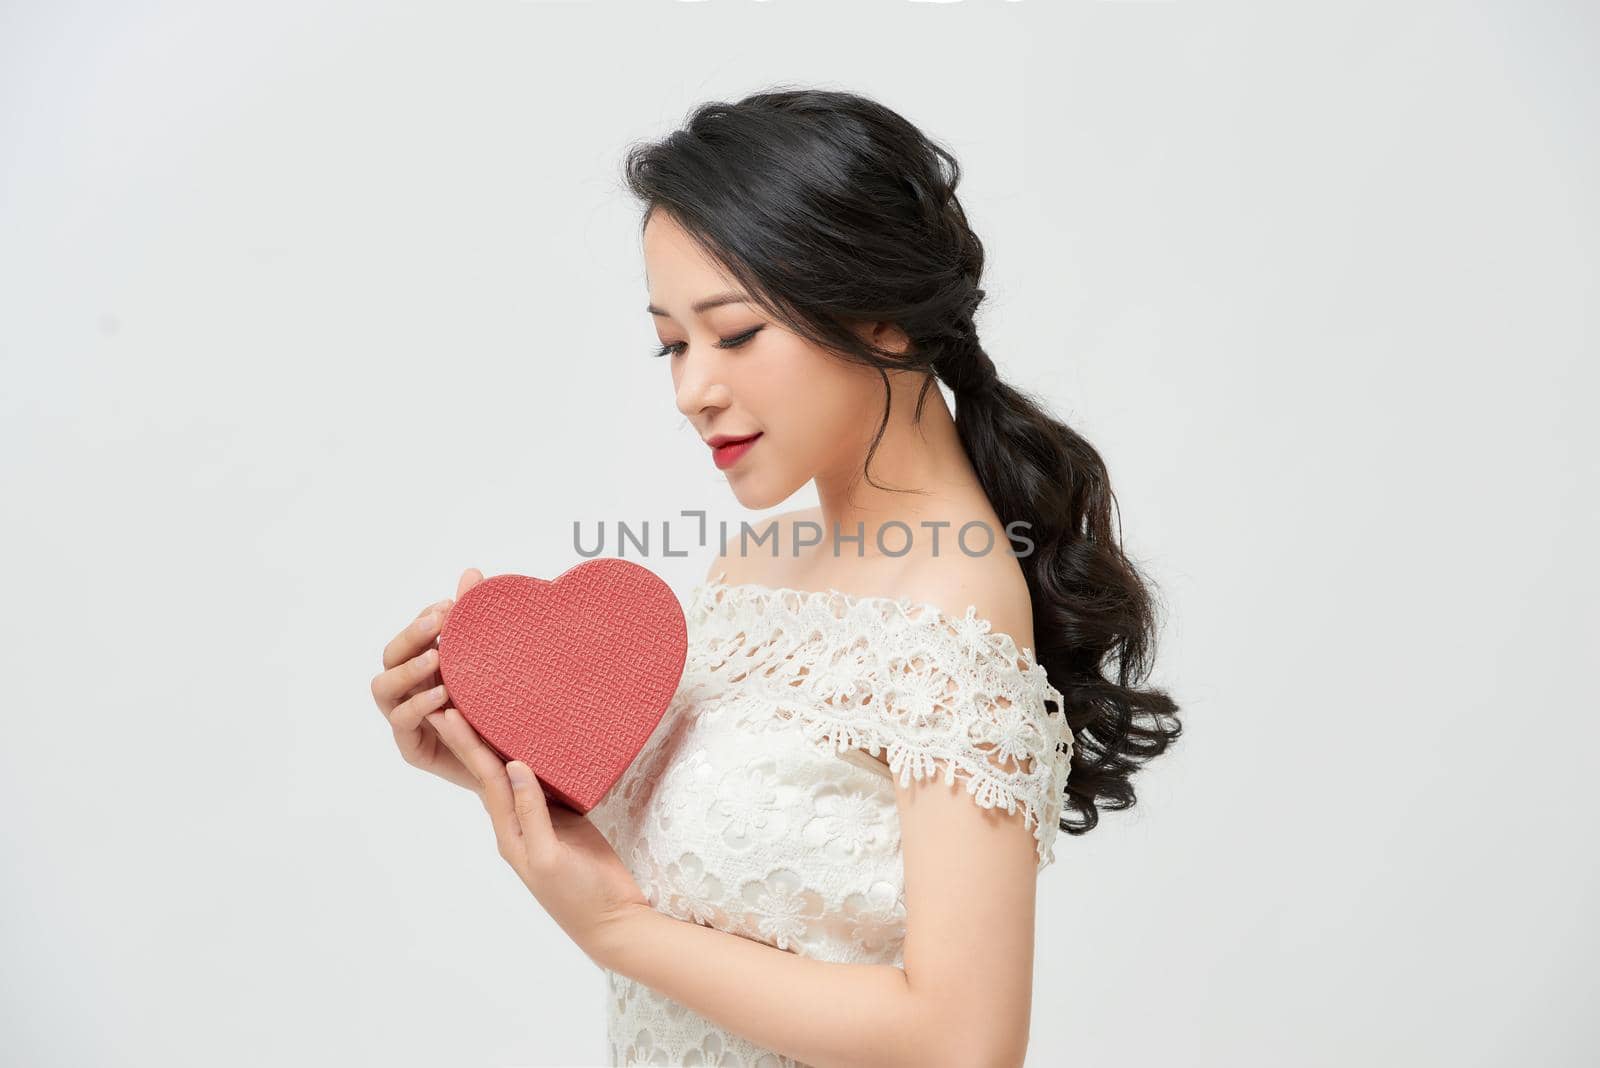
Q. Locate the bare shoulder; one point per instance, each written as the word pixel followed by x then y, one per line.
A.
pixel 994 585
pixel 758 566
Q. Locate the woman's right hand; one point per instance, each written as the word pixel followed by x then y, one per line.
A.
pixel 408 689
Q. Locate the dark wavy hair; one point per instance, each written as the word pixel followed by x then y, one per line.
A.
pixel 833 210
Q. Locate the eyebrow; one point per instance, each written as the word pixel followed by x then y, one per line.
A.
pixel 706 305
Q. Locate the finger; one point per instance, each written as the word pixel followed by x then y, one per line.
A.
pixel 416 636
pixel 408 714
pixel 400 682
pixel 473 752
pixel 490 772
pixel 532 812
pixel 499 802
pixel 469 578
pixel 434 607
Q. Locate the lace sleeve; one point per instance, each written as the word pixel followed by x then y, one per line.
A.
pixel 967 704
pixel 938 695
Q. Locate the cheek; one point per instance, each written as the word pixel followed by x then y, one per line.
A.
pixel 820 410
pixel 802 378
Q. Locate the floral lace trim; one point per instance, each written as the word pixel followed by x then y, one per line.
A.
pixel 932 690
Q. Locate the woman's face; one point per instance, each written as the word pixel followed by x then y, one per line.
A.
pixel 736 372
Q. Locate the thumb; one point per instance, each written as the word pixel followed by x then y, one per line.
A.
pixel 533 815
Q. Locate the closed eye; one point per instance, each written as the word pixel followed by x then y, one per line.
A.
pixel 674 348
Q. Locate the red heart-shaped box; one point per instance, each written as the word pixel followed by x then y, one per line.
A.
pixel 569 676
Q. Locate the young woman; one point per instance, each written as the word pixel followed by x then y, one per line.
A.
pixel 827 852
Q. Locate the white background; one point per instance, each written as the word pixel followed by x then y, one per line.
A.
pixel 305 308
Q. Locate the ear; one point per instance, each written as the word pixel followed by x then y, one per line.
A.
pixel 885 336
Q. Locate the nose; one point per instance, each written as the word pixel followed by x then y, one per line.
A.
pixel 699 386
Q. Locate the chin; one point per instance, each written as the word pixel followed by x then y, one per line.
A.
pixel 758 494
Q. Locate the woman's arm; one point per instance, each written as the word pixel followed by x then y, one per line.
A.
pixel 963 998
pixel 823 1013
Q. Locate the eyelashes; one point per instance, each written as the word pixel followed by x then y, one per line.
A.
pixel 725 343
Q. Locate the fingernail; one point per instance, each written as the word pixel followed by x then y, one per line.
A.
pixel 520 773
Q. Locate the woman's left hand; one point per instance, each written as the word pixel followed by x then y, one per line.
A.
pixel 559 855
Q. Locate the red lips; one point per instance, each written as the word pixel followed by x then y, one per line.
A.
pixel 727 451
pixel 717 440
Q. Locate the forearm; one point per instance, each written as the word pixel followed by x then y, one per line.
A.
pixel 826 1014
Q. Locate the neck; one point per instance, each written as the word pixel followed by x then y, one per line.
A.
pixel 924 456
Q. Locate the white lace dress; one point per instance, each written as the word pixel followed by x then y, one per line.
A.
pixel 756 808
